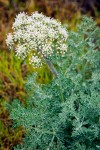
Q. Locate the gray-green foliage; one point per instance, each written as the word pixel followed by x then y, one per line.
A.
pixel 65 114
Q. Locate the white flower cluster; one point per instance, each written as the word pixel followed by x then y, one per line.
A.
pixel 38 34
pixel 9 40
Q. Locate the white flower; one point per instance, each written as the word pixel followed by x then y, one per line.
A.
pixel 21 51
pixel 9 40
pixel 39 35
pixel 21 19
pixel 35 61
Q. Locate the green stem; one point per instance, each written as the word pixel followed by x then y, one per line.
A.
pixel 51 67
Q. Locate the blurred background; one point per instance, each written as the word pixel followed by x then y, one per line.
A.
pixel 13 72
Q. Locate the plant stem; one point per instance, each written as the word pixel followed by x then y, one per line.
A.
pixel 51 67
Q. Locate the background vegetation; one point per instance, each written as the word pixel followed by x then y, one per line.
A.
pixel 13 72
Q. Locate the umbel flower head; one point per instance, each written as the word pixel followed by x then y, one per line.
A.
pixel 39 35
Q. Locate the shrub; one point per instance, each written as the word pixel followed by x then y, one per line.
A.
pixel 65 113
